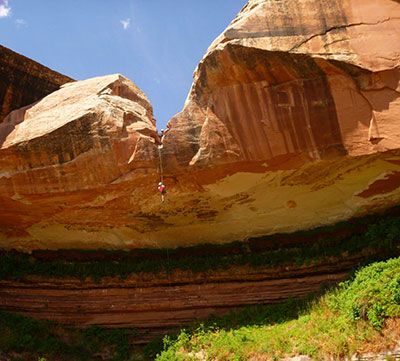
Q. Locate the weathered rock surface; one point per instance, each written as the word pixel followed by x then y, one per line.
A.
pixel 24 81
pixel 153 303
pixel 296 106
pixel 63 149
pixel 292 122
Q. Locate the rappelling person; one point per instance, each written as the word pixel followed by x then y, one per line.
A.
pixel 161 186
pixel 162 189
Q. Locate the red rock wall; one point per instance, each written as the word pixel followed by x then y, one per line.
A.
pixel 24 81
pixel 291 123
pixel 287 108
pixel 313 78
pixel 158 302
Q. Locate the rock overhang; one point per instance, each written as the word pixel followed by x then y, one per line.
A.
pixel 278 133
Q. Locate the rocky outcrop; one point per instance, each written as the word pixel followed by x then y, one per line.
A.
pixel 284 104
pixel 154 303
pixel 291 123
pixel 71 145
pixel 24 81
pixel 313 79
pixel 91 131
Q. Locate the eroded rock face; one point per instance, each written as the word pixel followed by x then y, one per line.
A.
pixel 313 78
pixel 305 95
pixel 155 302
pixel 292 122
pixel 97 127
pixel 64 148
pixel 24 81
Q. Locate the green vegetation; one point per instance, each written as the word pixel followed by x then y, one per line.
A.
pixel 32 340
pixel 372 237
pixel 338 324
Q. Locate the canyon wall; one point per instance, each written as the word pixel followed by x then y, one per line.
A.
pixel 154 303
pixel 292 122
pixel 24 81
pixel 312 79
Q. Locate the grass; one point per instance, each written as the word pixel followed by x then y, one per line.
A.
pixel 376 235
pixel 338 324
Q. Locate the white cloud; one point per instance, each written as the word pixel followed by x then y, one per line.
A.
pixel 126 23
pixel 21 23
pixel 5 10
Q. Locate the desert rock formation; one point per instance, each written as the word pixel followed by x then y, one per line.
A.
pixel 292 122
pixel 153 303
pixel 24 81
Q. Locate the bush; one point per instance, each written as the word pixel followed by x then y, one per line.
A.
pixel 373 295
pixel 335 326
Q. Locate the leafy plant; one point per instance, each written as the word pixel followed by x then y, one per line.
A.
pixel 334 325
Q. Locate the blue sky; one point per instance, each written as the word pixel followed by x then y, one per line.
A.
pixel 155 43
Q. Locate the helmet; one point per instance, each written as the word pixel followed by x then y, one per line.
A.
pixel 160 184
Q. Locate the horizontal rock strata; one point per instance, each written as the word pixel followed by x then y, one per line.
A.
pixel 154 303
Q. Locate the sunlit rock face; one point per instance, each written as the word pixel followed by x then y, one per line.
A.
pixel 315 79
pixel 294 116
pixel 292 122
pixel 24 81
pixel 63 158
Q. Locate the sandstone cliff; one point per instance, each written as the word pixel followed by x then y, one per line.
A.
pixel 312 80
pixel 24 81
pixel 291 122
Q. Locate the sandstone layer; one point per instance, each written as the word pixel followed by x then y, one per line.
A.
pixel 154 303
pixel 24 81
pixel 292 122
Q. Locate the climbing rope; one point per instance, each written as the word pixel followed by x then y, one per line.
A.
pixel 161 185
pixel 161 164
pixel 162 190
